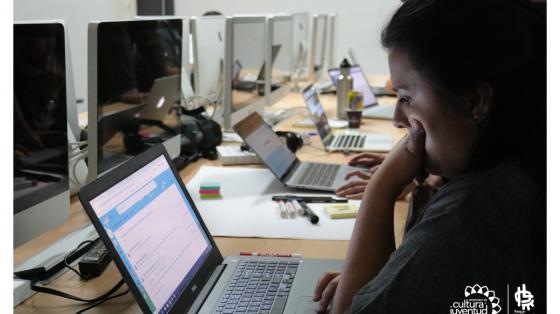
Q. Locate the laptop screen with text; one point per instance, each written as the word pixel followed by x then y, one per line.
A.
pixel 155 231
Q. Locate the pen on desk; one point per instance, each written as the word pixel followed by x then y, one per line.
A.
pixel 309 199
pixel 290 209
pixel 307 212
pixel 271 254
pixel 282 208
pixel 297 206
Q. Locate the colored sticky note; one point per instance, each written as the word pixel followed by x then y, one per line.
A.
pixel 209 191
pixel 341 211
pixel 210 185
pixel 210 196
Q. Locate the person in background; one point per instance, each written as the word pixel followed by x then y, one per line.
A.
pixel 471 82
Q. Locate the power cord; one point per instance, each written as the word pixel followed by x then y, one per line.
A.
pixel 91 302
pixel 67 265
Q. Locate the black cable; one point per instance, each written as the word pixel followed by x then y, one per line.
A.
pixel 72 297
pixel 74 251
pixel 102 301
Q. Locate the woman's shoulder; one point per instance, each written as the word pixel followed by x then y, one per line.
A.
pixel 495 191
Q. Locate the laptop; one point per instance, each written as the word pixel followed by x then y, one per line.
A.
pixel 360 83
pixel 342 142
pixel 163 94
pixel 170 262
pixel 284 164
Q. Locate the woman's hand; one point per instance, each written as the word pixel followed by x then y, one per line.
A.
pixel 367 160
pixel 325 289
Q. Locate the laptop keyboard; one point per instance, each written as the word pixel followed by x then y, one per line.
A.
pixel 349 141
pixel 259 287
pixel 316 174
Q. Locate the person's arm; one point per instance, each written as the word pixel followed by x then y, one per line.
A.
pixel 373 240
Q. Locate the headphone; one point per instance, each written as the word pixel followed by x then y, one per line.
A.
pixel 293 140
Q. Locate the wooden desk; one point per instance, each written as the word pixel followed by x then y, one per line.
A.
pixel 69 282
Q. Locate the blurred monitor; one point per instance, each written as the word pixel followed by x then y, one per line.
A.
pixel 134 87
pixel 318 47
pixel 300 43
pixel 41 192
pixel 245 62
pixel 186 56
pixel 281 59
pixel 209 37
pixel 331 31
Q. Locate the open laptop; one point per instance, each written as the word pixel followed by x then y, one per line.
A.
pixel 284 164
pixel 160 244
pixel 163 94
pixel 342 142
pixel 360 83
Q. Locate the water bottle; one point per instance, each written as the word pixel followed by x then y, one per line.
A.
pixel 343 86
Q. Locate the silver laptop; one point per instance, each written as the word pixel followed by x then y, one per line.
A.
pixel 372 109
pixel 160 244
pixel 163 94
pixel 342 142
pixel 284 164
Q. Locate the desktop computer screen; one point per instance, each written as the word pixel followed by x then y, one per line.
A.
pixel 300 44
pixel 41 197
pixel 281 57
pixel 134 90
pixel 247 61
pixel 318 47
pixel 209 38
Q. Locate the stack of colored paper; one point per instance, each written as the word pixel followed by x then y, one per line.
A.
pixel 341 211
pixel 210 190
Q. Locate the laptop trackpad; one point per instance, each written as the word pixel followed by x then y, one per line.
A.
pixel 306 305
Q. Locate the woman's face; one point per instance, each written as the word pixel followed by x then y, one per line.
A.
pixel 450 132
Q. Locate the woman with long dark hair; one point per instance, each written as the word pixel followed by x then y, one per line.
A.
pixel 471 82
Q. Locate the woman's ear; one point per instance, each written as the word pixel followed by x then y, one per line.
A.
pixel 479 100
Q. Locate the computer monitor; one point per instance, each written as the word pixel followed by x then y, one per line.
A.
pixel 300 45
pixel 318 46
pixel 209 36
pixel 134 89
pixel 281 59
pixel 331 32
pixel 41 192
pixel 246 53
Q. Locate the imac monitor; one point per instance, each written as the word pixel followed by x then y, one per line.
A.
pixel 41 192
pixel 281 63
pixel 249 36
pixel 134 70
pixel 300 43
pixel 208 34
pixel 318 47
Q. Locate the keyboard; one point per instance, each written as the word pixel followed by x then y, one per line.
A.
pixel 316 174
pixel 258 287
pixel 346 141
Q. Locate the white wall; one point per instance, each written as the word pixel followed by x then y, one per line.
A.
pixel 358 24
pixel 77 14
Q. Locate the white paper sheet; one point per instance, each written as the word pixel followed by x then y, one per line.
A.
pixel 247 209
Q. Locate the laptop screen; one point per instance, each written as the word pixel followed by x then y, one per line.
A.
pixel 317 112
pixel 359 83
pixel 155 231
pixel 266 144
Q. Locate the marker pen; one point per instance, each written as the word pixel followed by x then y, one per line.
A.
pixel 307 212
pixel 271 254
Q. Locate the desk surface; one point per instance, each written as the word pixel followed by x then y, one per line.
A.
pixel 70 283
